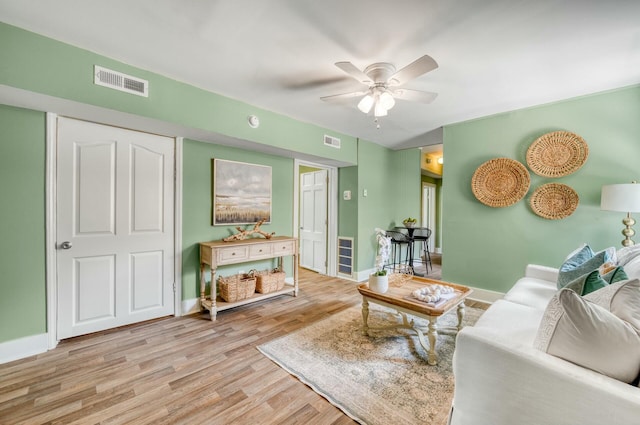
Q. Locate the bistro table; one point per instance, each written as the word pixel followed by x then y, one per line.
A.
pixel 410 231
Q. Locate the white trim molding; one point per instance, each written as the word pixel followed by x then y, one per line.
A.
pixel 50 229
pixel 332 210
pixel 485 295
pixel 177 225
pixel 23 347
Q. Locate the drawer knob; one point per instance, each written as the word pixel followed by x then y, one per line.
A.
pixel 233 253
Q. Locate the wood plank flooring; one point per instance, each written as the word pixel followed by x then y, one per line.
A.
pixel 185 370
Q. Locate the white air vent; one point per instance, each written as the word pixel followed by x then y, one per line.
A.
pixel 119 81
pixel 334 142
pixel 345 256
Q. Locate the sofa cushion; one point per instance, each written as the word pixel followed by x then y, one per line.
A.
pixel 532 292
pixel 516 322
pixel 586 334
pixel 571 269
pixel 622 299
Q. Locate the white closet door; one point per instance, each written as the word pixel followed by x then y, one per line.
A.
pixel 115 227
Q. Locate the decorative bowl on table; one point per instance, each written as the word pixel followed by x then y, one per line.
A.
pixel 409 223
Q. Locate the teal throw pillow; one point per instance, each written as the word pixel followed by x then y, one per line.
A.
pixel 570 270
pixel 593 281
pixel 578 256
pixel 615 275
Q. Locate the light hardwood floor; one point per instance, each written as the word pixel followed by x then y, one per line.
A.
pixel 185 370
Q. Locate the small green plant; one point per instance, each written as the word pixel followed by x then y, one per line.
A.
pixel 380 273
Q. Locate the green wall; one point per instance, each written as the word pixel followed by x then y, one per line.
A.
pixel 438 184
pixel 392 182
pixel 197 206
pixel 22 223
pixel 490 247
pixel 69 76
pixel 39 64
pixel 348 210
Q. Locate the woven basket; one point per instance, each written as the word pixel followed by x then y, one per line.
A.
pixel 236 287
pixel 269 281
pixel 500 182
pixel 557 154
pixel 399 279
pixel 554 201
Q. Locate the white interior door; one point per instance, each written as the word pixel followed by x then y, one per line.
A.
pixel 313 221
pixel 429 212
pixel 115 227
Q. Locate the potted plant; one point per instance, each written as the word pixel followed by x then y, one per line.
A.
pixel 378 280
pixel 409 222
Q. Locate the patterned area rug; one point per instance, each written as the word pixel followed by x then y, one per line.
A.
pixel 379 380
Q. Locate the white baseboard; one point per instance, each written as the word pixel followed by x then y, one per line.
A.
pixel 485 295
pixel 190 306
pixel 23 347
pixel 363 275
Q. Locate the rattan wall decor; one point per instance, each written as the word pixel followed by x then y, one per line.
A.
pixel 557 154
pixel 554 201
pixel 500 182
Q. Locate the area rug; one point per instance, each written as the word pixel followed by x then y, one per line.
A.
pixel 378 380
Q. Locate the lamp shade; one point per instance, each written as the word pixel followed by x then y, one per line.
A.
pixel 366 103
pixel 621 197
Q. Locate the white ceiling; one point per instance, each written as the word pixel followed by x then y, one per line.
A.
pixel 494 55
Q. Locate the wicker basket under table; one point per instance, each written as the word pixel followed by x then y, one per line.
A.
pixel 236 287
pixel 269 281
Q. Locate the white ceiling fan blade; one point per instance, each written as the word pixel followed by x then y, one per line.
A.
pixel 351 69
pixel 415 95
pixel 416 68
pixel 344 96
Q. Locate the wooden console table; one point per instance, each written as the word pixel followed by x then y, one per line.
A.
pixel 218 253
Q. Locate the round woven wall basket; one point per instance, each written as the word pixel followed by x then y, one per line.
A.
pixel 557 154
pixel 554 201
pixel 500 182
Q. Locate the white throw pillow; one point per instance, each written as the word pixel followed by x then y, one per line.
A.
pixel 590 336
pixel 620 298
pixel 632 268
pixel 627 254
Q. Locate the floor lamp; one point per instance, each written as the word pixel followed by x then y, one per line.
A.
pixel 623 198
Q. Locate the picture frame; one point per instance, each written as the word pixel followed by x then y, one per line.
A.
pixel 242 192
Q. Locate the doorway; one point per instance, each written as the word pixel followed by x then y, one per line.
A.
pixel 315 216
pixel 114 227
pixel 429 211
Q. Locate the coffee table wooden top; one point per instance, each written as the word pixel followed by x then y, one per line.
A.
pixel 398 296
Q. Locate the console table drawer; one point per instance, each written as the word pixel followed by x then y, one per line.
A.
pixel 259 251
pixel 283 248
pixel 232 254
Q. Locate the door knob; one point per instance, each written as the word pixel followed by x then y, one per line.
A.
pixel 66 245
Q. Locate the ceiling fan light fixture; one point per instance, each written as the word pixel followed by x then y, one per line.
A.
pixel 386 100
pixel 379 110
pixel 366 103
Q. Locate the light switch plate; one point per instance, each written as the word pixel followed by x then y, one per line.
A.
pixel 346 195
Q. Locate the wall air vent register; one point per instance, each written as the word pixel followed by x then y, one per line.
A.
pixel 119 81
pixel 334 142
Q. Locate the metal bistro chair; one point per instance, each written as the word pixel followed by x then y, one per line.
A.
pixel 398 240
pixel 422 234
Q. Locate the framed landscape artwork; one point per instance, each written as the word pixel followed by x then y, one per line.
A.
pixel 241 192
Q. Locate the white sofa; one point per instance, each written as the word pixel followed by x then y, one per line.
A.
pixel 501 379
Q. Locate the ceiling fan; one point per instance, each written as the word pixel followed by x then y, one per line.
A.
pixel 384 83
